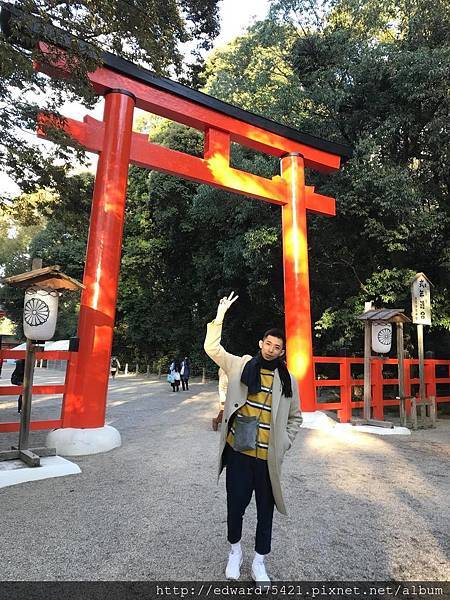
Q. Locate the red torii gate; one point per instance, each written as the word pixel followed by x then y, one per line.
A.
pixel 124 87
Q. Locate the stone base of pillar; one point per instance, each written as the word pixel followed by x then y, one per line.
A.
pixel 79 442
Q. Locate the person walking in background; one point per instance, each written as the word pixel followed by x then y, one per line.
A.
pixel 115 366
pixel 222 388
pixel 185 373
pixel 261 419
pixel 174 376
pixel 17 379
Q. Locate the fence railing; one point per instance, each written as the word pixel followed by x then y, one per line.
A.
pixel 15 390
pixel 345 392
pixel 341 389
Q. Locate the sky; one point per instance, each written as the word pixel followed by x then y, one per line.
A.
pixel 235 17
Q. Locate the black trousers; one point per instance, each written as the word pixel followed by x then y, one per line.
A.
pixel 243 475
pixel 185 383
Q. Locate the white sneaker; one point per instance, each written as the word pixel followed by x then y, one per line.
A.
pixel 259 574
pixel 233 570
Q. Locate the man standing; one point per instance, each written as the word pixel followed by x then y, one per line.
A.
pixel 261 419
pixel 185 373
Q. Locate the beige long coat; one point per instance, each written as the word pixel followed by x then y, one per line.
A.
pixel 286 417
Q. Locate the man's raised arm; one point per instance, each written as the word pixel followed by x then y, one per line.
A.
pixel 212 344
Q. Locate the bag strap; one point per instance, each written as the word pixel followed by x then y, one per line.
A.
pixel 257 420
pixel 265 401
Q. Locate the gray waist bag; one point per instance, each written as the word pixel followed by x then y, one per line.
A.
pixel 245 432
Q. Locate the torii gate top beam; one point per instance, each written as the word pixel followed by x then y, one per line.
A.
pixel 175 101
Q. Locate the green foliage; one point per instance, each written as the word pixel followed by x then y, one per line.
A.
pixel 184 246
pixel 148 32
pixel 375 74
pixel 265 82
pixel 15 241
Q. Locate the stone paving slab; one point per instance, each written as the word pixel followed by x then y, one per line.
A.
pixel 360 506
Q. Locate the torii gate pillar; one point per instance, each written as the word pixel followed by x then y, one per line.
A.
pixel 87 384
pixel 299 348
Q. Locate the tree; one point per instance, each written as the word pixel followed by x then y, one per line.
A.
pixel 15 240
pixel 369 74
pixel 155 291
pixel 376 76
pixel 372 74
pixel 52 227
pixel 185 245
pixel 147 33
pixel 265 82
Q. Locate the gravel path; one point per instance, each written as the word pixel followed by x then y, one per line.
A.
pixel 360 506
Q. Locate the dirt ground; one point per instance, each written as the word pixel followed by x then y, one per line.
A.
pixel 360 506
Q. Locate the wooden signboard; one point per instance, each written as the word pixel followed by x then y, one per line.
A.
pixel 421 300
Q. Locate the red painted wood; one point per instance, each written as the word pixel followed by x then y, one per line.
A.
pixel 213 169
pixel 85 400
pixel 186 111
pixel 34 425
pixel 48 355
pixel 15 390
pixel 378 401
pixel 296 281
pixel 199 117
pixel 86 382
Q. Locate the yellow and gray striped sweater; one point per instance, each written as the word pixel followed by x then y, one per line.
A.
pixel 252 408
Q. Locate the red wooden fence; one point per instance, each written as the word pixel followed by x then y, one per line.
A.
pixel 343 393
pixel 15 390
pixel 346 391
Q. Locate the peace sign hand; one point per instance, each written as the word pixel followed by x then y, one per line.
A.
pixel 224 305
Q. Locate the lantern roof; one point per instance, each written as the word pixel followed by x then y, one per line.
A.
pixel 48 277
pixel 389 315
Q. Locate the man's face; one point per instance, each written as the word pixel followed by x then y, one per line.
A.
pixel 271 347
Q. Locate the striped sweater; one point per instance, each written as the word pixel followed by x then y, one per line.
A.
pixel 254 407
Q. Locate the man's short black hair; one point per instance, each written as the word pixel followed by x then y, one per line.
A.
pixel 274 332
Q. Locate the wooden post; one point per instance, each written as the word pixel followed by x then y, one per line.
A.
pixel 433 411
pixel 414 412
pixel 203 375
pixel 126 369
pixel 26 397
pixel 367 378
pixel 27 390
pixel 87 386
pixel 377 389
pixel 421 370
pixel 346 391
pixel 137 369
pixel 401 374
